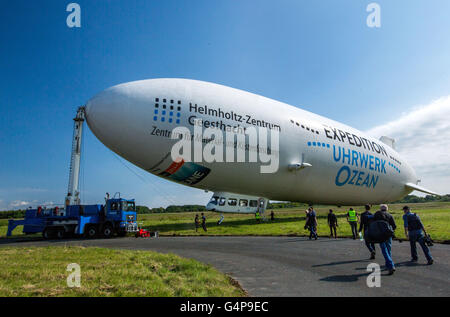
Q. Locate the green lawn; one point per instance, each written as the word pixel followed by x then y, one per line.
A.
pixel 32 271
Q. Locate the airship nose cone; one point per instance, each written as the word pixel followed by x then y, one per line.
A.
pixel 103 110
pixel 104 113
pixel 119 118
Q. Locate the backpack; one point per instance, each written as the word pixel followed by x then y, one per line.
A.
pixel 413 222
pixel 379 231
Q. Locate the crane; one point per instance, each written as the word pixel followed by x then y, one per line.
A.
pixel 73 193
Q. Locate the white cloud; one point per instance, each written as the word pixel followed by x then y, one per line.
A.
pixel 423 138
pixel 24 204
pixel 19 203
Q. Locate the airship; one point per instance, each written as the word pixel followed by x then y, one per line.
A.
pixel 261 149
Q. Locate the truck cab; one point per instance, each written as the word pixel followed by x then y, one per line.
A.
pixel 117 216
pixel 121 215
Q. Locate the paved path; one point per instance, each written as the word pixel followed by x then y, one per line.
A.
pixel 295 266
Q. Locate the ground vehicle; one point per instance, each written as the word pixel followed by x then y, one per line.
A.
pixel 142 233
pixel 117 216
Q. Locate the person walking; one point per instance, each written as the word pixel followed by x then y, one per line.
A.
pixel 204 222
pixel 353 218
pixel 311 223
pixel 414 231
pixel 366 217
pixel 197 223
pixel 386 247
pixel 272 216
pixel 332 222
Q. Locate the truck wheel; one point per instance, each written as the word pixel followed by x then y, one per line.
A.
pixel 91 232
pixel 47 233
pixel 107 231
pixel 60 233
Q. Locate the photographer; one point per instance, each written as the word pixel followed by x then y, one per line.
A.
pixel 414 231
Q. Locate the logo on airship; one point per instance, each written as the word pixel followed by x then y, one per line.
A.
pixel 167 110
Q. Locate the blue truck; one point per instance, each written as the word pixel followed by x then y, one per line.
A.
pixel 116 217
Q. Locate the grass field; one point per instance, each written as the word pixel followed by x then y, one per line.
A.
pixel 107 272
pixel 434 215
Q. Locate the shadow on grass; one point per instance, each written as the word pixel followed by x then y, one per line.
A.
pixel 23 238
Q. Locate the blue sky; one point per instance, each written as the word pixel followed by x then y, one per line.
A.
pixel 318 55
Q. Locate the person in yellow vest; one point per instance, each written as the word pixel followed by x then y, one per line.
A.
pixel 257 217
pixel 353 218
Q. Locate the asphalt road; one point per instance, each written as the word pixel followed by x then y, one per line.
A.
pixel 295 266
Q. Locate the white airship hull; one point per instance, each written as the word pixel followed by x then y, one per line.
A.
pixel 347 167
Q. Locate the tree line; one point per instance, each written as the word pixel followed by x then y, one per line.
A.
pixel 171 208
pixel 428 198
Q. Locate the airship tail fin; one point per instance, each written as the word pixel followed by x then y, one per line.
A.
pixel 420 189
pixel 388 141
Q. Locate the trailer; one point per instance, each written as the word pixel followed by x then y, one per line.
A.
pixel 116 216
